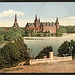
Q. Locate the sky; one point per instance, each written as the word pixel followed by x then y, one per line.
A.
pixel 46 11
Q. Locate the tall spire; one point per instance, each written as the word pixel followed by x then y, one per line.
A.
pixel 36 17
pixel 15 23
pixel 39 19
pixel 15 18
pixel 57 20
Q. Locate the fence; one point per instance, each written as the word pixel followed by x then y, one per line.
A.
pixel 36 61
pixel 48 60
pixel 62 58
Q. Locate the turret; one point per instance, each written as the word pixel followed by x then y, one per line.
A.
pixel 39 20
pixel 57 23
pixel 36 17
pixel 36 21
pixel 15 18
pixel 15 23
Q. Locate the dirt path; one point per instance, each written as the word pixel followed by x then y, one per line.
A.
pixel 55 67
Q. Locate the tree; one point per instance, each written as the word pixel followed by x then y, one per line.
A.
pixel 68 29
pixel 1 38
pixel 64 49
pixel 45 52
pixel 1 62
pixel 13 33
pixel 23 49
pixel 51 48
pixel 72 44
pixel 59 32
pixel 12 53
pixel 29 32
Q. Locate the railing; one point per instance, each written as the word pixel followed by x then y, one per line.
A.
pixel 47 60
pixel 62 58
pixel 36 61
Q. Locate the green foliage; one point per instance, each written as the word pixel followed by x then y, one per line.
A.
pixel 72 45
pixel 1 38
pixel 68 29
pixel 29 32
pixel 2 28
pixel 67 48
pixel 51 48
pixel 59 32
pixel 38 34
pixel 12 34
pixel 23 49
pixel 64 49
pixel 1 62
pixel 45 52
pixel 14 52
pixel 53 34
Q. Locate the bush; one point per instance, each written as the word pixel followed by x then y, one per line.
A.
pixel 1 62
pixel 14 52
pixel 45 52
pixel 59 32
pixel 27 62
pixel 64 49
pixel 2 38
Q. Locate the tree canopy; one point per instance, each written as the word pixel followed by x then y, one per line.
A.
pixel 68 29
pixel 11 34
pixel 12 53
pixel 45 52
pixel 67 48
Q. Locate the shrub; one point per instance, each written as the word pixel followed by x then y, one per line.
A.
pixel 45 52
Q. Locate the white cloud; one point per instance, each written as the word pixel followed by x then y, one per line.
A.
pixel 71 17
pixel 10 13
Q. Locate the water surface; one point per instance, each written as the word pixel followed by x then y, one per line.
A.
pixel 55 42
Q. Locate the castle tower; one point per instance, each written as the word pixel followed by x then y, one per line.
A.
pixel 57 23
pixel 15 23
pixel 15 18
pixel 36 17
pixel 39 20
pixel 41 27
pixel 36 21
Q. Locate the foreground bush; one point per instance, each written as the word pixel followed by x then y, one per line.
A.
pixel 67 49
pixel 45 52
pixel 12 53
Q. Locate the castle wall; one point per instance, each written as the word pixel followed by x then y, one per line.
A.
pixel 51 29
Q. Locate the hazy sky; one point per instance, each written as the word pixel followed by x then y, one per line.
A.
pixel 46 11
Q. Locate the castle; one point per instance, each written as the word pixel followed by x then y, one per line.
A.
pixel 38 26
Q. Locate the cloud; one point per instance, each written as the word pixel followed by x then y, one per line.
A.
pixel 71 17
pixel 10 13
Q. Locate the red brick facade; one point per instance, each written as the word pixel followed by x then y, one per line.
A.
pixel 42 26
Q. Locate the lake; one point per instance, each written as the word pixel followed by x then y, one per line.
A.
pixel 55 42
pixel 38 45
